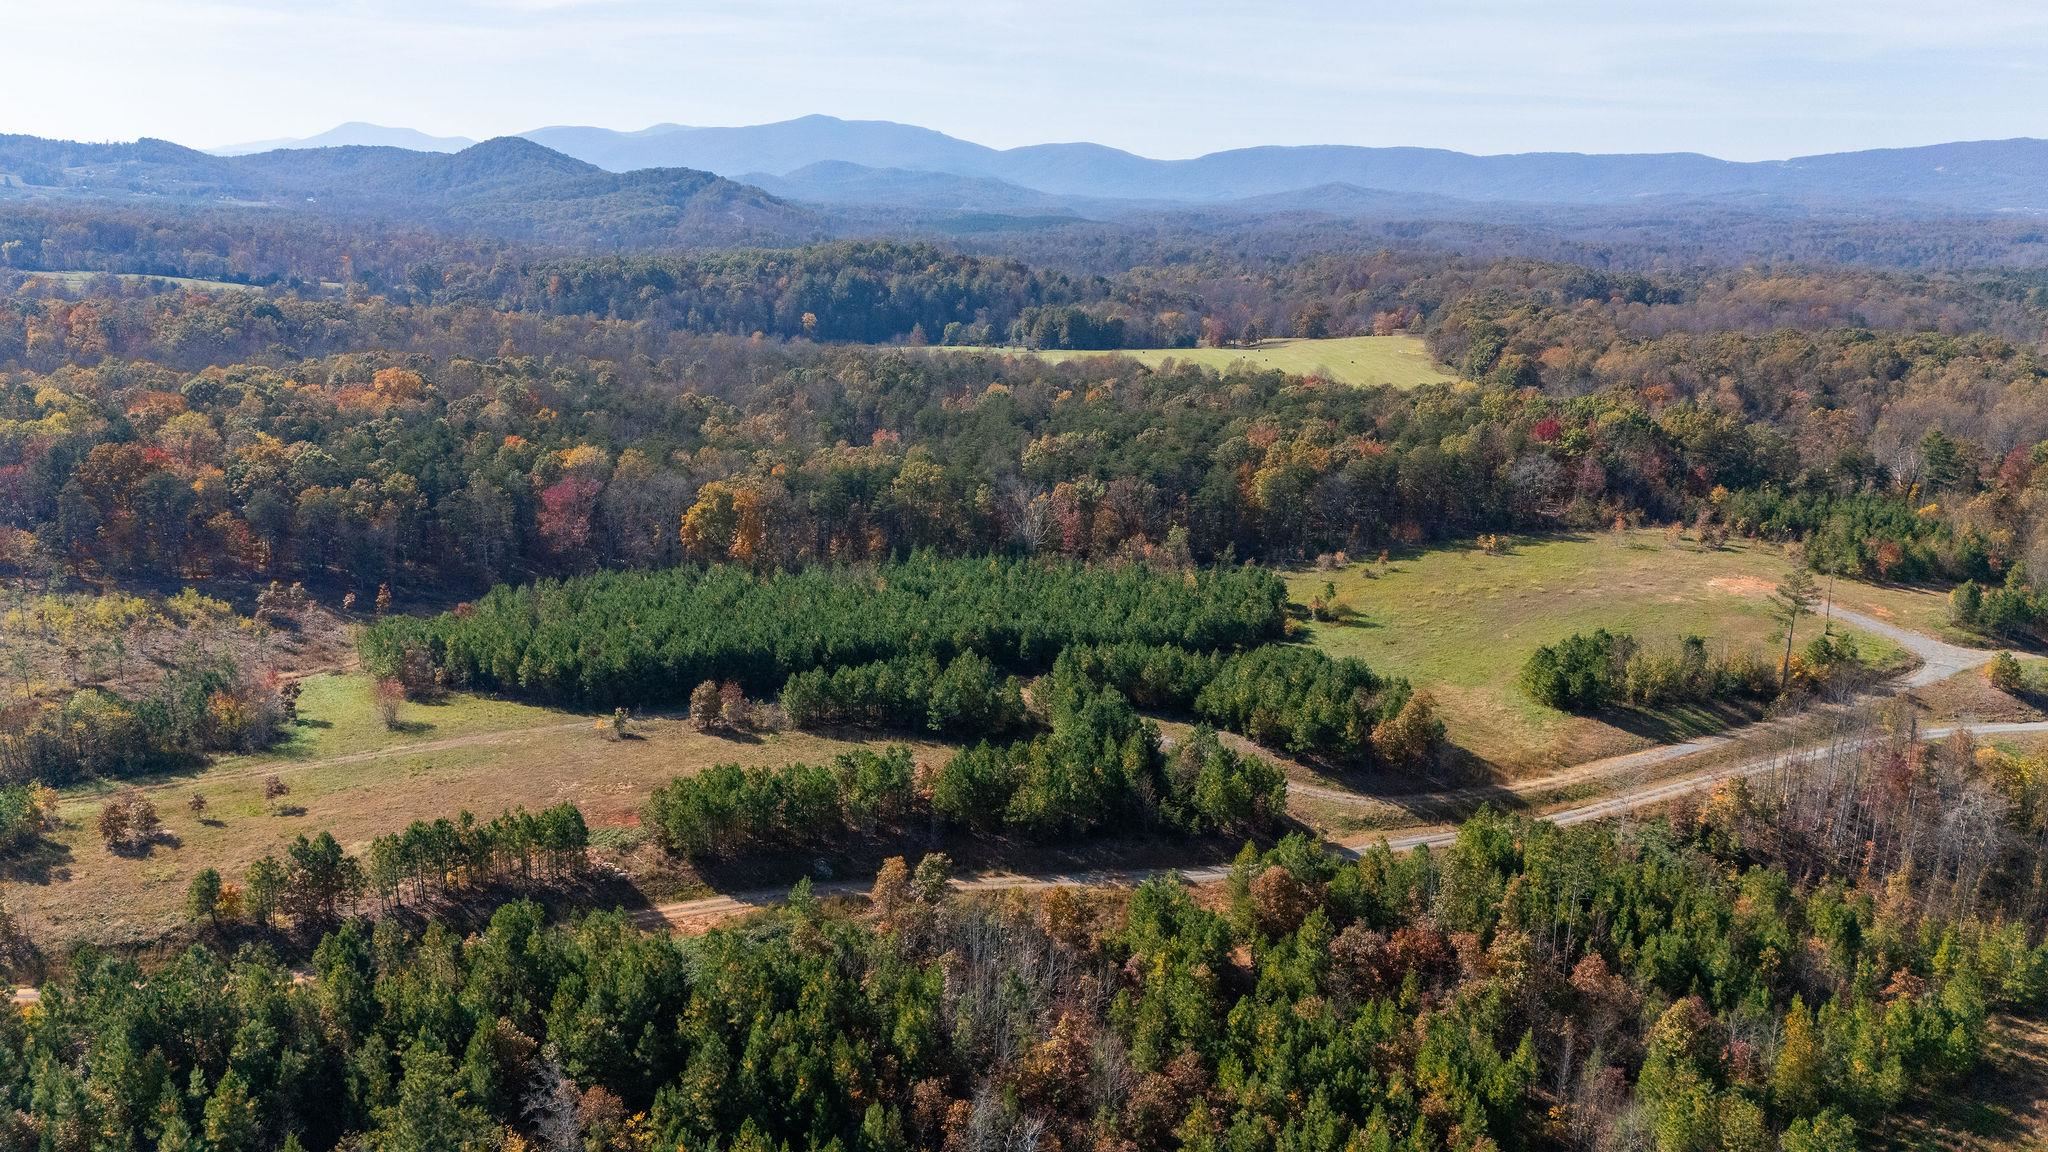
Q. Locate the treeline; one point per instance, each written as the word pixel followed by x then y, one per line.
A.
pixel 1295 698
pixel 1097 766
pixel 2011 610
pixel 966 697
pixel 927 644
pixel 208 706
pixel 434 859
pixel 727 810
pixel 1591 671
pixel 1754 972
pixel 644 637
pixel 853 291
pixel 1879 536
pixel 317 882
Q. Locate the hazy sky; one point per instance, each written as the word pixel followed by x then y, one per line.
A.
pixel 1744 79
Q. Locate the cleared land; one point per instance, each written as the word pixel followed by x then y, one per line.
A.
pixel 84 279
pixel 1401 361
pixel 351 776
pixel 1461 622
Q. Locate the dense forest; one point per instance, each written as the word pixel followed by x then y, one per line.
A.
pixel 360 469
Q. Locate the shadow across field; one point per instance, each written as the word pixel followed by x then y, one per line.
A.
pixel 43 861
pixel 1681 722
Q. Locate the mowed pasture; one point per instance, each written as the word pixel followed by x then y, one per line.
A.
pixel 349 775
pixel 1461 622
pixel 1400 361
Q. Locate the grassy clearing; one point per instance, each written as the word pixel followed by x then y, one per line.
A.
pixel 1402 361
pixel 352 777
pixel 1461 623
pixel 85 279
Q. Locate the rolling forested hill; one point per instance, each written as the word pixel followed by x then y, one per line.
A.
pixel 506 187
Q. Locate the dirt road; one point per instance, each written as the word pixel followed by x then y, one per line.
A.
pixel 696 915
pixel 1939 659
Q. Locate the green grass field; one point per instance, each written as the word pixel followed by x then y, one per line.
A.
pixel 1401 361
pixel 1461 623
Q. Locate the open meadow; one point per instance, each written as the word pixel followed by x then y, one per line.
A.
pixel 78 280
pixel 1401 361
pixel 349 775
pixel 1460 622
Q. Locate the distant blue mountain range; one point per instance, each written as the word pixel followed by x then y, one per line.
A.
pixel 833 160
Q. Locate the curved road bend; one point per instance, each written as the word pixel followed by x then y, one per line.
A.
pixel 1939 659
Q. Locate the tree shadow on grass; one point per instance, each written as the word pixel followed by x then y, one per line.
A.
pixel 1681 722
pixel 1448 791
pixel 144 849
pixel 41 862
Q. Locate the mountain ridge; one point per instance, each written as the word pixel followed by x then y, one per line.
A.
pixel 355 132
pixel 1972 176
pixel 507 186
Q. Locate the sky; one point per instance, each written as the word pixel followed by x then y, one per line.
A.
pixel 1740 79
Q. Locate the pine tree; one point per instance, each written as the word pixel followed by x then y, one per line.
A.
pixel 1793 599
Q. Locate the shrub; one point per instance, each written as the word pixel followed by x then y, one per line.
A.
pixel 386 696
pixel 2005 673
pixel 1581 673
pixel 207 707
pixel 25 813
pixel 1413 736
pixel 129 823
pixel 2013 609
pixel 707 706
pixel 734 709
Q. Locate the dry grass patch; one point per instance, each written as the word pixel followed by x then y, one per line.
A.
pixel 348 775
pixel 1401 361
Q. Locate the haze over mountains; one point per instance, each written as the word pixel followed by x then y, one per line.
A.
pixel 818 178
pixel 507 187
pixel 830 160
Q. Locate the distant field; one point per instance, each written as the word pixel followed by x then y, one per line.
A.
pixel 1401 361
pixel 351 776
pixel 1461 623
pixel 82 279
